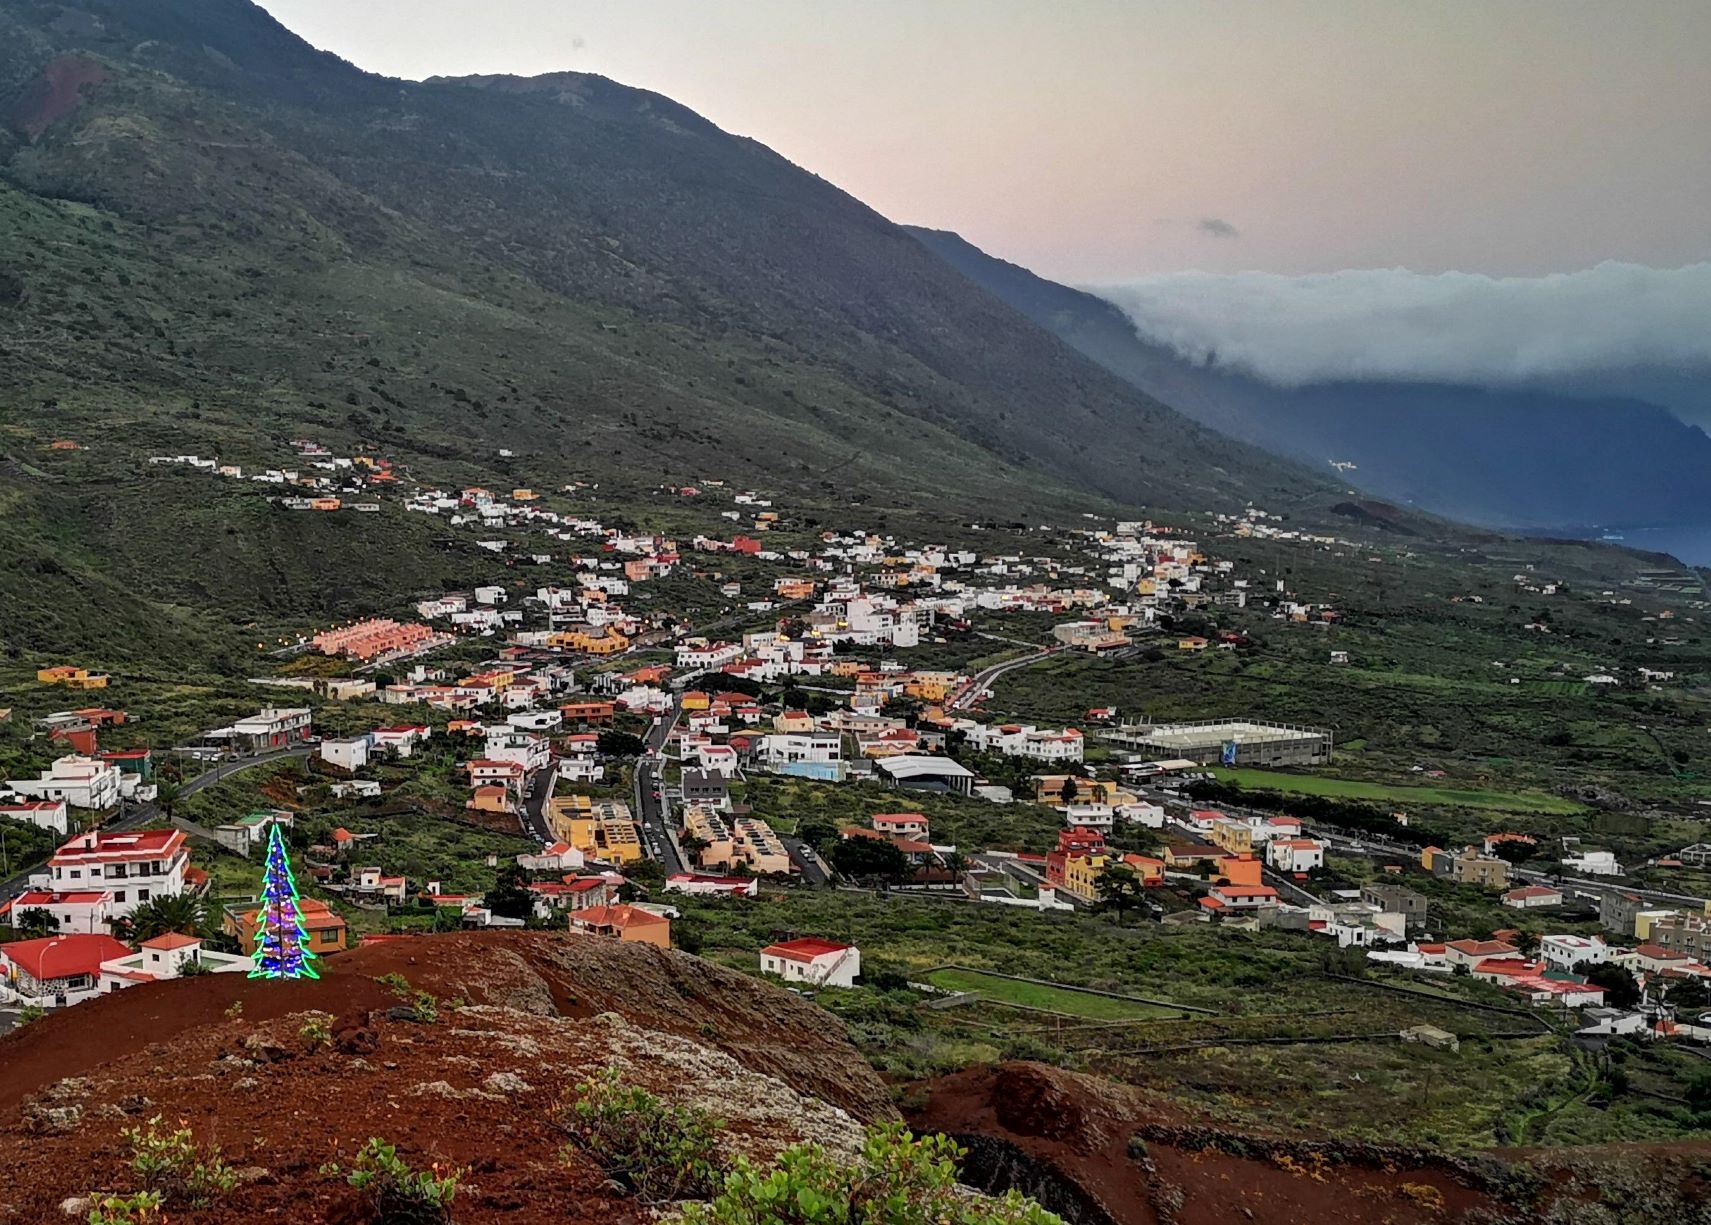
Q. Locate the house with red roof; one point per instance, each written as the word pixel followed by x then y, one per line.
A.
pixel 79 912
pixel 1529 896
pixel 901 824
pixel 54 815
pixel 167 956
pixel 813 962
pixel 558 857
pixel 623 922
pixel 134 866
pixel 573 893
pixel 1228 899
pixel 55 971
pixel 1470 953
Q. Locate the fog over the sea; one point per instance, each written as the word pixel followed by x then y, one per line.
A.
pixel 1392 324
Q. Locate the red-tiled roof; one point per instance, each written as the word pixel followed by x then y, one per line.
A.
pixel 805 949
pixel 169 941
pixel 619 916
pixel 55 957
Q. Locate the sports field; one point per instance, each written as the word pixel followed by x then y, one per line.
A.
pixel 1398 793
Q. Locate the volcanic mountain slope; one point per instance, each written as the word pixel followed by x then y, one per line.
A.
pixel 213 230
pixel 1527 459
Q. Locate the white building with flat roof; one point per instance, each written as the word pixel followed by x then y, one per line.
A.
pixel 81 782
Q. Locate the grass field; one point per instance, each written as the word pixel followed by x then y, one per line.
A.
pixel 1385 793
pixel 1067 1000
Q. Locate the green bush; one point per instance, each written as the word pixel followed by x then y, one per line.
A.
pixel 398 1194
pixel 898 1179
pixel 143 1208
pixel 656 1152
pixel 172 1165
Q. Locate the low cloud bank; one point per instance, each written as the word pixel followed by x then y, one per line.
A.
pixel 1392 324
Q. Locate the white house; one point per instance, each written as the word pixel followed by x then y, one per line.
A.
pixel 43 814
pixel 168 956
pixel 697 883
pixel 1024 740
pixel 526 749
pixel 784 748
pixel 1528 896
pixel 1564 952
pixel 347 754
pixel 559 857
pixel 134 867
pixel 1151 816
pixel 1295 854
pixel 1595 863
pixel 815 963
pixel 272 728
pixel 720 759
pixel 401 739
pixel 357 788
pixel 78 912
pixel 81 782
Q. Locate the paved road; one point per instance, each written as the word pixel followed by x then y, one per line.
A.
pixel 983 679
pixel 141 814
pixel 813 870
pixel 540 790
pixel 654 814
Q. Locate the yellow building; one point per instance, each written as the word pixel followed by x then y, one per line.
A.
pixel 608 642
pixel 1081 875
pixel 1236 837
pixel 600 829
pixel 708 826
pixel 931 686
pixel 71 678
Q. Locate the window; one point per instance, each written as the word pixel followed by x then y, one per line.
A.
pixel 142 895
pixel 119 896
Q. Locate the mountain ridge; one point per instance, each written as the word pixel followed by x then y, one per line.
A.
pixel 634 204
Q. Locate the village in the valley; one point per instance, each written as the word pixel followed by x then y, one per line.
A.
pixel 623 725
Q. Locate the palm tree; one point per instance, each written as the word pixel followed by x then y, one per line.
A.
pixel 166 794
pixel 180 912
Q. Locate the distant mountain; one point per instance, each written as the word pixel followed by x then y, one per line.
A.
pixel 1514 459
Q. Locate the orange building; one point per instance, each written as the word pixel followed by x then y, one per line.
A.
pixel 1239 870
pixel 623 922
pixel 372 638
pixel 324 926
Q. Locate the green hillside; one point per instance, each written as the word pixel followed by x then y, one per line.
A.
pixel 214 239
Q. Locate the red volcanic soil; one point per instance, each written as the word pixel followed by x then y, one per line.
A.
pixel 1079 1129
pixel 522 1016
pixel 56 93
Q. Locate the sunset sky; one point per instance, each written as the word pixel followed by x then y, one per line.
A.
pixel 1099 140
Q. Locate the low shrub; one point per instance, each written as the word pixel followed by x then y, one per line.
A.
pixel 398 1194
pixel 656 1152
pixel 172 1165
pixel 897 1179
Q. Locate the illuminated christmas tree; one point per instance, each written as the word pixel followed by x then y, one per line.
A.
pixel 281 946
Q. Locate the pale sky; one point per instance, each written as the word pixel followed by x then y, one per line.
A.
pixel 1102 140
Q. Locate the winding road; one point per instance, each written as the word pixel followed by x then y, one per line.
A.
pixel 142 814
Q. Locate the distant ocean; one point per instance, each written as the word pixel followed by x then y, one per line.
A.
pixel 1688 542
